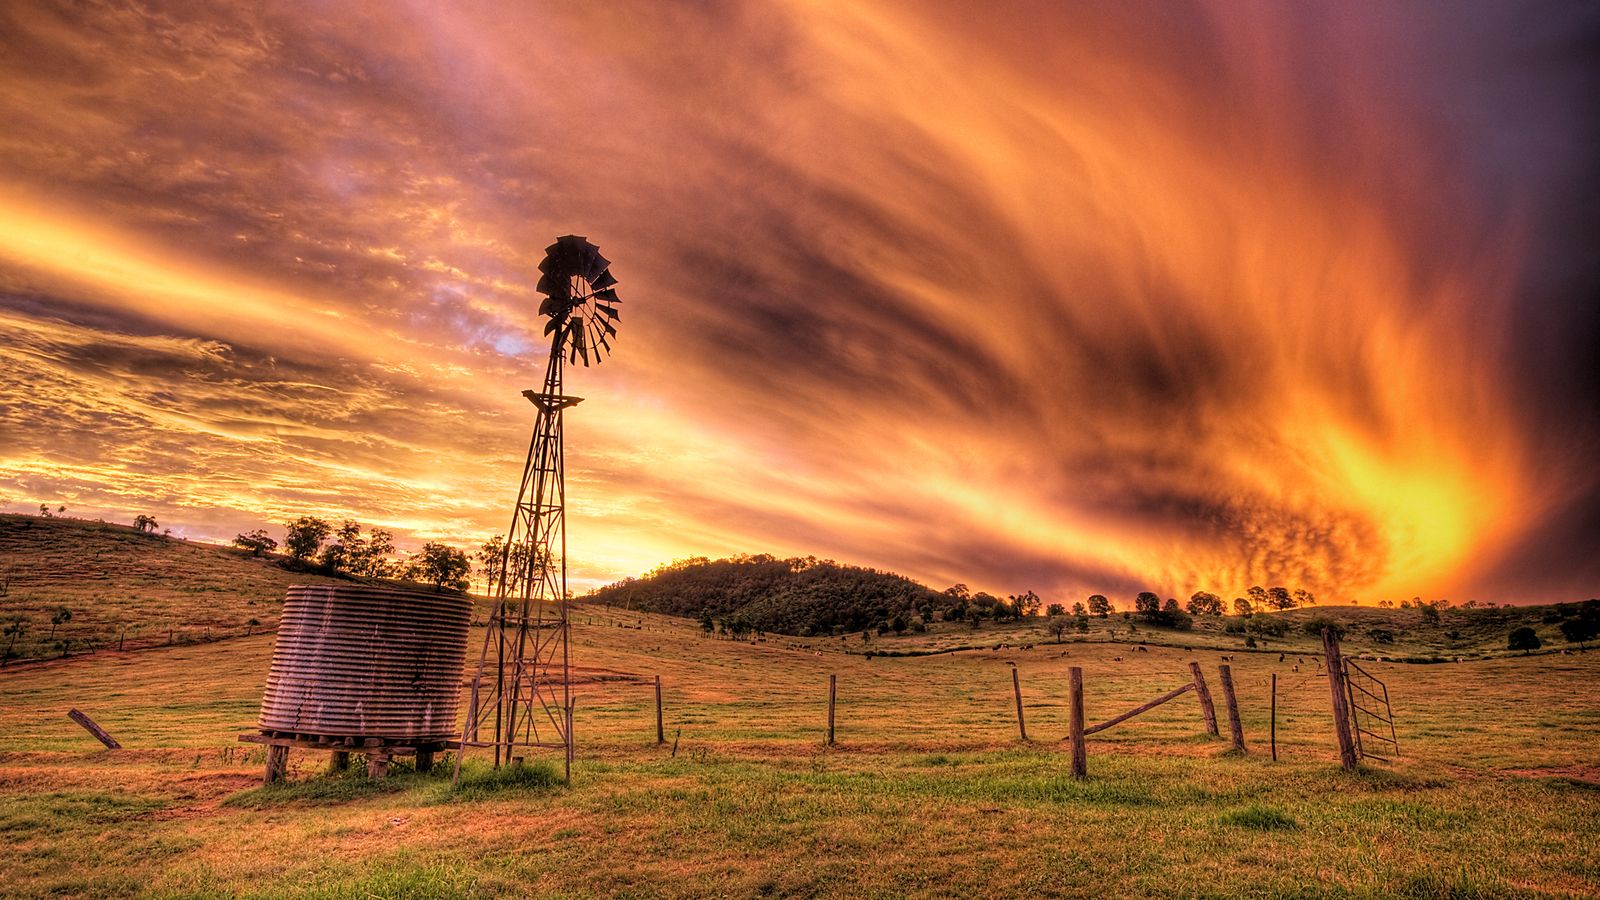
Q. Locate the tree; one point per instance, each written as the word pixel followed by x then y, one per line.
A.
pixel 1524 639
pixel 257 542
pixel 898 625
pixel 1099 605
pixel 1280 598
pixel 304 537
pixel 1056 625
pixel 1257 595
pixel 13 631
pixel 1171 606
pixel 1242 607
pixel 1581 630
pixel 1205 603
pixel 1430 613
pixel 440 565
pixel 1146 605
pixel 145 523
pixel 1056 609
pixel 1082 621
pixel 1025 604
pixel 1305 597
pixel 1078 610
pixel 57 618
pixel 706 624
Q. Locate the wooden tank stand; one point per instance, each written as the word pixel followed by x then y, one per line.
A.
pixel 378 752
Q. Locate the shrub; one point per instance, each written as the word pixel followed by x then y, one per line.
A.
pixel 1380 635
pixel 1524 639
pixel 1314 627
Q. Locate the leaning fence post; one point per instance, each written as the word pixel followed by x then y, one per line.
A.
pixel 1234 725
pixel 1016 690
pixel 99 733
pixel 833 683
pixel 1080 753
pixel 1341 708
pixel 1206 708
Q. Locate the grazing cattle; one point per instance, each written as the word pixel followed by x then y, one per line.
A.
pixel 1116 659
pixel 1143 649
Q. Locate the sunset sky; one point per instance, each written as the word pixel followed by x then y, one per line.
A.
pixel 1067 297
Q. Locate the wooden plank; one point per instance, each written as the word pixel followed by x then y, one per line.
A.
pixel 1206 707
pixel 1080 752
pixel 1175 692
pixel 89 726
pixel 1235 727
pixel 1016 690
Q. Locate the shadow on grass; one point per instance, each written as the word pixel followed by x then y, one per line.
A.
pixel 478 781
pixel 1260 818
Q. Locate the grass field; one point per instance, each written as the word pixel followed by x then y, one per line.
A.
pixel 928 792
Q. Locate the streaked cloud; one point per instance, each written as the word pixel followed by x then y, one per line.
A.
pixel 1167 295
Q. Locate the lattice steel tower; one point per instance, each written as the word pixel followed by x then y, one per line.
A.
pixel 525 699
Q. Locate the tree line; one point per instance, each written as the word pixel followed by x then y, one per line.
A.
pixel 345 550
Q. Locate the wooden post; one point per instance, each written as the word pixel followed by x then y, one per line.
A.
pixel 661 731
pixel 1234 725
pixel 277 764
pixel 89 726
pixel 1341 709
pixel 1274 716
pixel 1080 753
pixel 424 760
pixel 377 765
pixel 1206 708
pixel 572 743
pixel 1016 690
pixel 339 762
pixel 833 685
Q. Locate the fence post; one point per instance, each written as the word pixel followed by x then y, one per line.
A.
pixel 661 732
pixel 1234 725
pixel 1206 707
pixel 1080 753
pixel 833 684
pixel 1274 716
pixel 1016 690
pixel 1341 708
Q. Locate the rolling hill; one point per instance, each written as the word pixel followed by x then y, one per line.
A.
pixel 124 585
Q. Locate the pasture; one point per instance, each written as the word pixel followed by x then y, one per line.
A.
pixel 928 790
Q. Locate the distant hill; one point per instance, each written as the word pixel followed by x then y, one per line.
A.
pixel 784 596
pixel 120 583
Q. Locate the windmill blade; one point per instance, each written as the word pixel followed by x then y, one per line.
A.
pixel 608 295
pixel 551 325
pixel 596 265
pixel 607 327
pixel 610 313
pixel 603 280
pixel 553 284
pixel 549 307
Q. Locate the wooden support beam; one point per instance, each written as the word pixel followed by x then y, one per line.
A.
pixel 1341 709
pixel 277 764
pixel 1175 692
pixel 661 731
pixel 1080 752
pixel 377 765
pixel 1234 725
pixel 89 726
pixel 1206 708
pixel 1016 690
pixel 424 760
pixel 339 761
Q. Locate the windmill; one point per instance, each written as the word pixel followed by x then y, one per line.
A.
pixel 524 700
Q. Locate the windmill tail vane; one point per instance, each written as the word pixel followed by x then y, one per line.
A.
pixel 520 695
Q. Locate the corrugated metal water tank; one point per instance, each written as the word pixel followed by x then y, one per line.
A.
pixel 367 662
